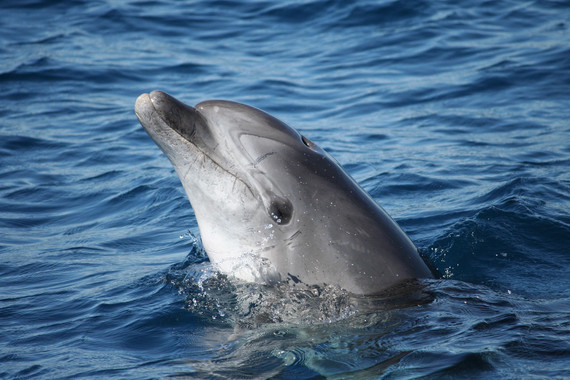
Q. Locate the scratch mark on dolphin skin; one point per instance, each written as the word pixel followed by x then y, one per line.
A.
pixel 261 158
pixel 291 239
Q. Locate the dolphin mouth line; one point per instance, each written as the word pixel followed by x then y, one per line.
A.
pixel 204 154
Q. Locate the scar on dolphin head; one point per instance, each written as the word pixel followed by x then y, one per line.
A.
pixel 261 158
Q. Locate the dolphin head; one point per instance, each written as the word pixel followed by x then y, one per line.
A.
pixel 236 164
pixel 270 203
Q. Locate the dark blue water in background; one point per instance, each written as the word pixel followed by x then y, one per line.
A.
pixel 454 117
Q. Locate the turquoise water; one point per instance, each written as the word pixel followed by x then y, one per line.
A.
pixel 454 117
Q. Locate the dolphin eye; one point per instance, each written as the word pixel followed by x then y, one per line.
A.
pixel 280 211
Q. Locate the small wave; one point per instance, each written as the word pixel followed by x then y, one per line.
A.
pixel 501 238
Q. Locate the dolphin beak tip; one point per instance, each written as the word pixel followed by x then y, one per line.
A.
pixel 141 104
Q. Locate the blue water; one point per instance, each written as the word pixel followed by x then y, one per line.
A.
pixel 454 117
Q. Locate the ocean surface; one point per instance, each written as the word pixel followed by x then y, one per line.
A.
pixel 454 116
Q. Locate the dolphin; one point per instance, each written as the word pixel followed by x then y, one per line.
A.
pixel 271 205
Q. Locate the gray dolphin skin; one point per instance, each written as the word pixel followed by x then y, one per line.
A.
pixel 271 205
